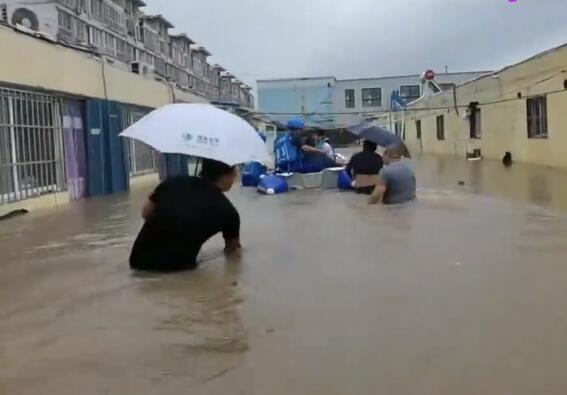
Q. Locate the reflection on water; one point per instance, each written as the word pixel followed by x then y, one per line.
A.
pixel 460 292
pixel 523 183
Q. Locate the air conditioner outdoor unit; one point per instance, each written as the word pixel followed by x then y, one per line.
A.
pixel 24 17
pixel 142 68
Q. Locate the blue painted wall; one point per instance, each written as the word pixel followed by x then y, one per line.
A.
pixel 106 162
pixel 96 173
pixel 311 97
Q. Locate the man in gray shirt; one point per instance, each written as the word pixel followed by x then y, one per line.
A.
pixel 396 181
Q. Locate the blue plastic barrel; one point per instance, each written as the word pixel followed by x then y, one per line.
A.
pixel 345 182
pixel 273 185
pixel 252 173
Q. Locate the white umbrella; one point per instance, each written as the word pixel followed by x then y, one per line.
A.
pixel 200 130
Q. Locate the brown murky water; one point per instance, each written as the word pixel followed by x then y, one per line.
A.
pixel 463 292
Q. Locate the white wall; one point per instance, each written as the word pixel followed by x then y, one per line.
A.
pixel 388 85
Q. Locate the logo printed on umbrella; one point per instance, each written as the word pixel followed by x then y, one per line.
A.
pixel 212 141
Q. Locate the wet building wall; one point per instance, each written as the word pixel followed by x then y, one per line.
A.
pixel 57 148
pixel 72 107
pixel 503 120
pixel 43 64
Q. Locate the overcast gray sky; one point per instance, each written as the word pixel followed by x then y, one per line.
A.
pixel 258 39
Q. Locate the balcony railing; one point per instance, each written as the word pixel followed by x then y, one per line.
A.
pixel 72 4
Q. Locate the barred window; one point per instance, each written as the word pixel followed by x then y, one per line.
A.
pixel 410 92
pixel 142 159
pixel 537 117
pixel 372 97
pixel 350 101
pixel 31 145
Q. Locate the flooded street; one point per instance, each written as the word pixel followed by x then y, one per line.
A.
pixel 462 292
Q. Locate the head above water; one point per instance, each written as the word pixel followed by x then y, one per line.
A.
pixel 369 146
pixel 393 153
pixel 219 174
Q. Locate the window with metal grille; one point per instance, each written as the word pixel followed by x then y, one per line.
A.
pixel 440 127
pixel 350 101
pixel 160 66
pixel 83 5
pixel 72 4
pixel 537 117
pixel 121 49
pixel 114 17
pixel 110 43
pixel 142 159
pixel 131 53
pixel 65 21
pixel 96 9
pixel 410 92
pixel 96 36
pixel 372 97
pixel 31 145
pixel 475 121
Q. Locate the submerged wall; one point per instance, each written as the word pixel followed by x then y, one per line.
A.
pixel 502 98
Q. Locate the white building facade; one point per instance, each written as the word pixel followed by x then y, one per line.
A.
pixel 357 99
pixel 327 102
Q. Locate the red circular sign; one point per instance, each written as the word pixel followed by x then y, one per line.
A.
pixel 430 75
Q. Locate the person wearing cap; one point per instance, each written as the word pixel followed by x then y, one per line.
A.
pixel 314 159
pixel 181 214
pixel 396 182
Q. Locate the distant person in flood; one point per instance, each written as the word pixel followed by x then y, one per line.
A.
pixel 324 144
pixel 507 160
pixel 364 168
pixel 396 183
pixel 181 215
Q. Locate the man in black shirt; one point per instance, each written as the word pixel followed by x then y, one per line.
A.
pixel 181 215
pixel 364 168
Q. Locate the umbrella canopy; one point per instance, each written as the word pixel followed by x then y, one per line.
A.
pixel 200 130
pixel 377 134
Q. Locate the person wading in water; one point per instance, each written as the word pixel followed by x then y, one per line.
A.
pixel 181 215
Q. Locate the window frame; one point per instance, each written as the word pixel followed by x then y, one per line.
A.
pixel 410 97
pixel 370 101
pixel 537 117
pixel 350 98
pixel 440 123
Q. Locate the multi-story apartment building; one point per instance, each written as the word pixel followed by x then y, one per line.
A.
pixel 104 64
pixel 121 31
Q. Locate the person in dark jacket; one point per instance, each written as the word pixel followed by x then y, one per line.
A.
pixel 364 168
pixel 181 215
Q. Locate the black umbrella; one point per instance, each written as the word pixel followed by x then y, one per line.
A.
pixel 377 134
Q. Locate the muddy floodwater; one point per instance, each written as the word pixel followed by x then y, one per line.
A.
pixel 463 292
